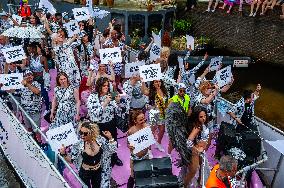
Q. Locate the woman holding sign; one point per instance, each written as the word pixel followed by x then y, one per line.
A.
pixel 137 123
pixel 102 109
pixel 91 155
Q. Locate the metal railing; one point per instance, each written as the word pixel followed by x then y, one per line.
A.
pixel 37 129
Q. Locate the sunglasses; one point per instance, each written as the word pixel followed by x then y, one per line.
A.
pixel 83 133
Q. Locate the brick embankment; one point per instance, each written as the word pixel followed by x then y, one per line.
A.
pixel 250 36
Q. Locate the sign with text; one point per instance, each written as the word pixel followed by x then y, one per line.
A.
pixel 11 81
pixel 46 6
pixel 65 134
pixel 132 69
pixel 15 53
pixel 189 42
pixel 224 76
pixel 141 139
pixel 150 72
pixel 215 63
pixel 81 13
pixel 110 54
pixel 72 28
pixel 155 52
pixel 240 63
pixel 17 18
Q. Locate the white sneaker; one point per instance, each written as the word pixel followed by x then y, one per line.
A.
pixel 251 14
pixel 213 10
pixel 208 10
pixel 254 14
pixel 160 147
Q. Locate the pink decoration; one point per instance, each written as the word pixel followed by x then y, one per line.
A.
pixel 255 181
pixel 70 178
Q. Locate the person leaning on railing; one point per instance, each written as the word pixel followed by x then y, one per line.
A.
pixel 92 155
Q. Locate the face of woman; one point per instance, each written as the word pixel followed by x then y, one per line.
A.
pixel 202 117
pixel 85 134
pixel 61 33
pixel 102 68
pixel 157 84
pixel 140 119
pixel 63 80
pixel 85 38
pixel 32 20
pixel 105 88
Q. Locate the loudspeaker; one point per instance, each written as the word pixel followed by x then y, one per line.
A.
pixel 154 182
pixel 152 167
pixel 251 143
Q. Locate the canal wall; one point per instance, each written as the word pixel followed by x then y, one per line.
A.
pixel 260 37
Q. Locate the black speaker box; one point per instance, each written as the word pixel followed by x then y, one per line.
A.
pixel 251 144
pixel 152 167
pixel 226 138
pixel 155 182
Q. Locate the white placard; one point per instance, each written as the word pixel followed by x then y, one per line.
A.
pixel 17 18
pixel 65 134
pixel 224 76
pixel 132 69
pixel 97 13
pixel 11 81
pixel 46 6
pixel 150 72
pixel 180 63
pixel 110 54
pixel 81 13
pixel 190 41
pixel 157 38
pixel 215 63
pixel 155 52
pixel 72 28
pixel 14 53
pixel 94 65
pixel 89 4
pixel 141 139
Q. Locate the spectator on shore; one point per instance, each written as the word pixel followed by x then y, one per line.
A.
pixel 258 3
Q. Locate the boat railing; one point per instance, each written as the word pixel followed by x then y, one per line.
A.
pixel 19 110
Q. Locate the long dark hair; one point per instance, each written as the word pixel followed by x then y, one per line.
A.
pixel 173 61
pixel 193 120
pixel 153 92
pixel 99 84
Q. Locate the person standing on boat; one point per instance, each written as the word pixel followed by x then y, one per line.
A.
pixel 218 177
pixel 243 111
pixel 91 155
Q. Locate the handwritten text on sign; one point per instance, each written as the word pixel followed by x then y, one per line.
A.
pixel 14 53
pixel 150 72
pixel 132 69
pixel 81 13
pixel 11 81
pixel 141 139
pixel 65 134
pixel 72 28
pixel 224 76
pixel 215 63
pixel 110 54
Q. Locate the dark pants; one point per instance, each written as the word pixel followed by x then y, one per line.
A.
pixel 44 93
pixel 92 178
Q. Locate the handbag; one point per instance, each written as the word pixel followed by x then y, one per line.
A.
pixel 121 123
pixel 47 115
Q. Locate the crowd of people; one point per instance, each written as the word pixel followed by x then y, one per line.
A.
pixel 257 7
pixel 182 103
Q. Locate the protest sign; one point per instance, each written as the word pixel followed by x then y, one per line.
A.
pixel 157 38
pixel 215 63
pixel 224 76
pixel 17 18
pixel 64 134
pixel 46 6
pixel 81 13
pixel 155 52
pixel 132 69
pixel 150 72
pixel 72 28
pixel 14 53
pixel 189 42
pixel 11 81
pixel 141 139
pixel 110 54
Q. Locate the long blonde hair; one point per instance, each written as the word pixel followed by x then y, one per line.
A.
pixel 93 127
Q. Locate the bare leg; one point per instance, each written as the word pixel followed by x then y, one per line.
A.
pixel 257 7
pixel 216 4
pixel 170 147
pixel 229 10
pixel 282 16
pixel 263 7
pixel 161 133
pixel 192 169
pixel 251 8
pixel 209 5
pixel 223 7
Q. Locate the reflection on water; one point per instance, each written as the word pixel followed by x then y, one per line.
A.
pixel 7 178
pixel 269 106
